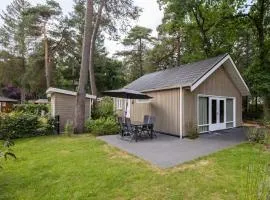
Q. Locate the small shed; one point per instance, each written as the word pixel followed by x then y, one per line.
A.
pixel 206 95
pixel 6 104
pixel 63 104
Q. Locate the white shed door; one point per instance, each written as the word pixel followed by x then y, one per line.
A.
pixel 217 113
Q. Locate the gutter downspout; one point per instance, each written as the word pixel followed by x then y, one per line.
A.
pixel 181 112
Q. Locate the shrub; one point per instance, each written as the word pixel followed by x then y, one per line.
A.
pixel 256 134
pixel 17 124
pixel 192 131
pixel 20 124
pixel 46 125
pixel 69 129
pixel 103 109
pixel 36 109
pixel 102 126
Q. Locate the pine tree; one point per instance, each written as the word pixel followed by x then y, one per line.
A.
pixel 14 37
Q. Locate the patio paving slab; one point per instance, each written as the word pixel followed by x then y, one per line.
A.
pixel 167 151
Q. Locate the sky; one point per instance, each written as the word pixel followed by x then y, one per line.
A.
pixel 150 17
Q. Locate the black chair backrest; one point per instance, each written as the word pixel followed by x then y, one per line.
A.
pixel 128 123
pixel 145 119
pixel 152 119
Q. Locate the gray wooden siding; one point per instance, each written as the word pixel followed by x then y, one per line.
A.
pixel 218 84
pixel 164 106
pixel 64 106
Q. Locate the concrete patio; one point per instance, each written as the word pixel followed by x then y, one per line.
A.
pixel 168 151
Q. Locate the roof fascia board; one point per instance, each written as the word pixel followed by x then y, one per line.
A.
pixel 238 73
pixel 61 91
pixel 165 88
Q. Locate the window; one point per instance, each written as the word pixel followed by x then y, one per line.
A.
pixel 221 111
pixel 214 111
pixel 203 114
pixel 118 103
pixel 229 113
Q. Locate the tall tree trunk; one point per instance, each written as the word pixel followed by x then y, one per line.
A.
pixel 46 59
pixel 92 49
pixel 80 99
pixel 22 90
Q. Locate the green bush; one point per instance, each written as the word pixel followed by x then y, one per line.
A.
pixel 20 124
pixel 103 108
pixel 36 109
pixel 256 134
pixel 192 131
pixel 17 124
pixel 46 125
pixel 102 126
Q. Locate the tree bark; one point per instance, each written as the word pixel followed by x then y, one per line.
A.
pixel 46 59
pixel 22 90
pixel 92 49
pixel 80 99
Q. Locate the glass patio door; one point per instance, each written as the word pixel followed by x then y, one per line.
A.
pixel 217 113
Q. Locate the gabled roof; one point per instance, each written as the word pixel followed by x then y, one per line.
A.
pixel 189 75
pixel 52 90
pixel 5 99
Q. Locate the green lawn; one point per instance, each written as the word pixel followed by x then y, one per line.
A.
pixel 82 167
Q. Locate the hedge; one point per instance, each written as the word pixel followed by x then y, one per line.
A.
pixel 19 125
pixel 36 109
pixel 102 126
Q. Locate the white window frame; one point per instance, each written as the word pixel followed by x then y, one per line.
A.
pixel 119 103
pixel 234 112
pixel 226 97
pixel 200 125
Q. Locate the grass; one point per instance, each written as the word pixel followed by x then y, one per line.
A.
pixel 82 167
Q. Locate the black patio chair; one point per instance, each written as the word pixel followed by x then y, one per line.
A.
pixel 146 119
pixel 152 121
pixel 129 129
pixel 144 128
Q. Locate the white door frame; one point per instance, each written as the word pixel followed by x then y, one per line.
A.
pixel 222 125
pixel 218 125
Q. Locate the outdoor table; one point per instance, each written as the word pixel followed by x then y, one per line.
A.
pixel 137 125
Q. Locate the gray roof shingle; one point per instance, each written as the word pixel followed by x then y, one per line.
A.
pixel 184 75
